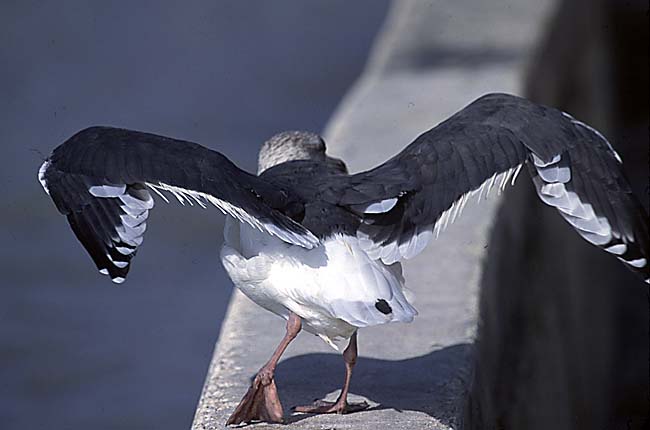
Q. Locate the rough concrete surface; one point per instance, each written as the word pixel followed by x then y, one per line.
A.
pixel 431 59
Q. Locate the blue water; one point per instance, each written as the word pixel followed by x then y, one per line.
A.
pixel 75 350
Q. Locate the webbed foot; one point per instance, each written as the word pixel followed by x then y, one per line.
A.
pixel 260 403
pixel 338 407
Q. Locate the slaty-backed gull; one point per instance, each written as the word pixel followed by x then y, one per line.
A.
pixel 322 248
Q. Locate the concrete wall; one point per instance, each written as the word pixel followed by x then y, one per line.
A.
pixel 563 339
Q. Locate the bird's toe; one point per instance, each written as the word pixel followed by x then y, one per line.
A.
pixel 260 403
pixel 325 407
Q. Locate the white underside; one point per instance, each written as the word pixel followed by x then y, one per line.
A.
pixel 332 287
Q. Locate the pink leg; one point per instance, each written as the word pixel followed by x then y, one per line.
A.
pixel 341 406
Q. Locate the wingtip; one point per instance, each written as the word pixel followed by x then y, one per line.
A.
pixel 41 175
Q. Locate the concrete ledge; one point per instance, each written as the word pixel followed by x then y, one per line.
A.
pixel 430 60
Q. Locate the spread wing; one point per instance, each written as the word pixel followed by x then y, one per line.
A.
pixel 414 195
pixel 102 177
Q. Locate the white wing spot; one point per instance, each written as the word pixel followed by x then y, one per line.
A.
pixel 41 176
pixel 540 163
pixel 618 249
pixel 639 262
pixel 380 207
pixel 107 190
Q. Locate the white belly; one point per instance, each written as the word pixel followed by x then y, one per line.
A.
pixel 333 288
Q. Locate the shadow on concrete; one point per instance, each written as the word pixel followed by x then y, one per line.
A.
pixel 442 56
pixel 415 384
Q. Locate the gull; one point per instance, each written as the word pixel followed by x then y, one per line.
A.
pixel 321 247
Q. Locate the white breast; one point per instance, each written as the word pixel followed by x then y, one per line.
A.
pixel 335 288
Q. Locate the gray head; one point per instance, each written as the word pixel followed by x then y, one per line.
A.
pixel 294 145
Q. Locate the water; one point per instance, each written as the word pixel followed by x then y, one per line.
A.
pixel 75 350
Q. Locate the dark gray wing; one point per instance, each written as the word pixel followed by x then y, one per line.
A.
pixel 101 180
pixel 411 197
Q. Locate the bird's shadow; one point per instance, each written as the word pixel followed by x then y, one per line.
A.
pixel 414 384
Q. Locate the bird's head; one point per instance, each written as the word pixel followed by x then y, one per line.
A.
pixel 295 145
